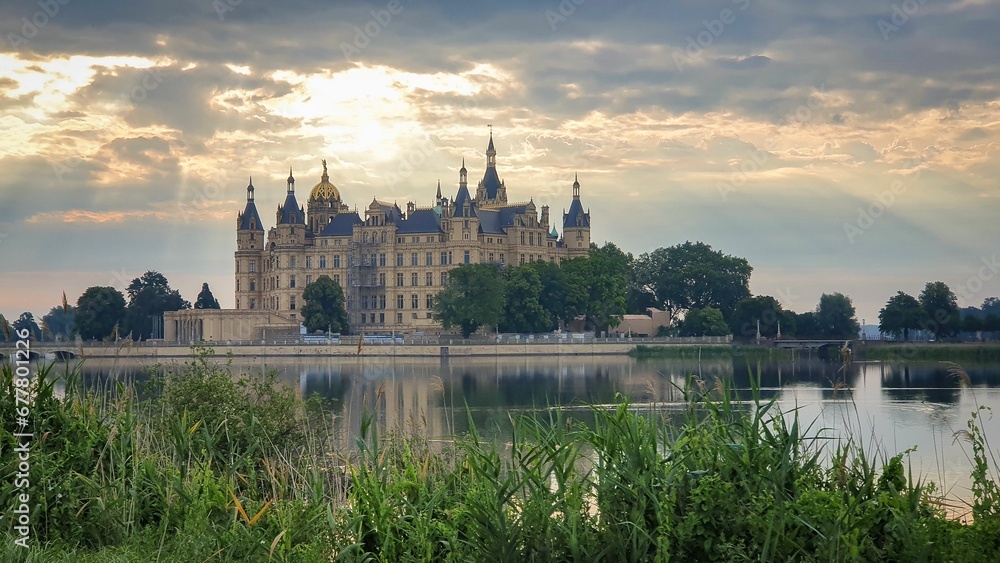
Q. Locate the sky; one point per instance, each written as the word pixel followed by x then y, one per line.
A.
pixel 839 146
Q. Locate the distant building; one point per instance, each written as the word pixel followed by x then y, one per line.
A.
pixel 644 325
pixel 392 262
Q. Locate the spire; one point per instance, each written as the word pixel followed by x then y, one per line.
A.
pixel 439 190
pixel 291 181
pixel 491 152
pixel 576 186
pixel 463 175
pixel 250 191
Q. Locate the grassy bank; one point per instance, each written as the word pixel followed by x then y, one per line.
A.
pixel 212 466
pixel 712 351
pixel 930 351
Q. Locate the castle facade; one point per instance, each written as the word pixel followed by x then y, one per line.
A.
pixel 391 263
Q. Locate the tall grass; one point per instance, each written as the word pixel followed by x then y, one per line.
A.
pixel 207 465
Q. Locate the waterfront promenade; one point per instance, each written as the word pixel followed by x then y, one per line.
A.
pixel 444 346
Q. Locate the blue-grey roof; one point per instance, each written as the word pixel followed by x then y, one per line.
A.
pixel 420 221
pixel 461 199
pixel 491 181
pixel 489 222
pixel 576 217
pixel 249 219
pixel 342 225
pixel 291 214
pixel 508 214
pixel 393 214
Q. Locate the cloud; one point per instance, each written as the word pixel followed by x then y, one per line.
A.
pixel 134 126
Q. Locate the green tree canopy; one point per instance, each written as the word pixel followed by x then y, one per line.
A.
pixel 807 325
pixel 27 321
pixel 762 308
pixel 61 321
pixel 100 312
pixel 149 297
pixel 704 322
pixel 941 309
pixel 523 311
pixel 598 285
pixel 693 276
pixel 835 317
pixel 972 324
pixel 901 314
pixel 205 299
pixel 324 306
pixel 5 328
pixel 557 296
pixel 473 297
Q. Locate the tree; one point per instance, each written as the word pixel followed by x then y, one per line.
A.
pixel 523 311
pixel 100 312
pixel 324 306
pixel 598 285
pixel 205 299
pixel 27 321
pixel 5 328
pixel 704 322
pixel 972 324
pixel 901 314
pixel 149 297
pixel 61 321
pixel 941 309
pixel 991 323
pixel 473 297
pixel 692 275
pixel 835 317
pixel 557 296
pixel 807 325
pixel 762 308
pixel 991 306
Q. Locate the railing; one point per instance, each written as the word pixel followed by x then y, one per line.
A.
pixel 401 340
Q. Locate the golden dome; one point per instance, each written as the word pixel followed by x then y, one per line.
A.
pixel 324 190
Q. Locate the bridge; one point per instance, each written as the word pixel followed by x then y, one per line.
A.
pixel 789 344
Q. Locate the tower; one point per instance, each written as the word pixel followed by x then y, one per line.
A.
pixel 491 190
pixel 249 253
pixel 576 225
pixel 324 203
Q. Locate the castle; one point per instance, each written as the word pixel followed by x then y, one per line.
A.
pixel 392 262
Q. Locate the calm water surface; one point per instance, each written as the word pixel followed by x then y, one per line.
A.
pixel 891 407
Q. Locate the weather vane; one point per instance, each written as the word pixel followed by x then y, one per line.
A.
pixel 490 125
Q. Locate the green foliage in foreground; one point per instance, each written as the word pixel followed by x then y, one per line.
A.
pixel 196 473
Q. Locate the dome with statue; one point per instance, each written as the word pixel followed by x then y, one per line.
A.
pixel 324 190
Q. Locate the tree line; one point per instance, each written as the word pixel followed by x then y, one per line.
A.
pixel 705 292
pixel 936 312
pixel 102 312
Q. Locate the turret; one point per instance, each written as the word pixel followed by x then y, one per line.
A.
pixel 249 252
pixel 576 224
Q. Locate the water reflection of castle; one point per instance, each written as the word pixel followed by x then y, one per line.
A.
pixel 431 396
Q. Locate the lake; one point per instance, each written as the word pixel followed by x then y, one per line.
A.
pixel 888 407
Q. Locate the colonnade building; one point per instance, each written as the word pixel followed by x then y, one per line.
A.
pixel 392 262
